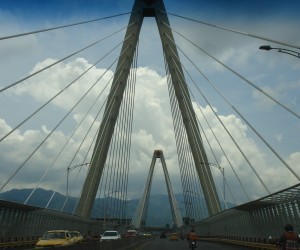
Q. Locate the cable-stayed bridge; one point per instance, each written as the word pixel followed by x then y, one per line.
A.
pixel 84 125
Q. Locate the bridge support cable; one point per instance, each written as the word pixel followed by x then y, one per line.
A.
pixel 50 166
pixel 239 148
pixel 92 124
pixel 186 163
pixel 94 175
pixel 95 119
pixel 186 109
pixel 141 211
pixel 119 151
pixel 119 183
pixel 60 60
pixel 239 114
pixel 59 123
pixel 129 114
pixel 238 32
pixel 109 105
pixel 205 182
pixel 57 94
pixel 60 27
pixel 75 129
pixel 91 184
pixel 239 75
pixel 214 136
pixel 71 136
pixel 199 124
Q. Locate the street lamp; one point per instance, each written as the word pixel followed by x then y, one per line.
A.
pixel 222 170
pixel 286 51
pixel 106 207
pixel 69 169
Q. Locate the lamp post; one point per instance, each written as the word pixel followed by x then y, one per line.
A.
pixel 222 170
pixel 69 169
pixel 106 207
pixel 282 50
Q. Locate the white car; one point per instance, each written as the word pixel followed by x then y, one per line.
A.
pixel 110 235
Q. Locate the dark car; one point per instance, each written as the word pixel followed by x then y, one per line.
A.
pixel 163 235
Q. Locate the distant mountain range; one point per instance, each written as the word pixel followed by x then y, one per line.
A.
pixel 159 211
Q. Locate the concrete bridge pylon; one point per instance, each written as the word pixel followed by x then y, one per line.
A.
pixel 142 208
pixel 141 9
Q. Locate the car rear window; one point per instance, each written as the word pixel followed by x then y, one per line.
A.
pixel 110 234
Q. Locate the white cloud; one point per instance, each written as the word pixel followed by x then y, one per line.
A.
pixel 152 130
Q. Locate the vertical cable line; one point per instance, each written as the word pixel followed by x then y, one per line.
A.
pixel 67 142
pixel 60 60
pixel 85 137
pixel 98 113
pixel 184 97
pixel 95 119
pixel 68 113
pixel 181 142
pixel 88 130
pixel 175 125
pixel 241 151
pixel 186 156
pixel 129 130
pixel 74 133
pixel 241 116
pixel 245 157
pixel 239 75
pixel 216 138
pixel 118 134
pixel 118 147
pixel 191 171
pixel 129 114
pixel 178 145
pixel 54 192
pixel 113 156
pixel 109 110
pixel 21 166
pixel 126 114
pixel 204 135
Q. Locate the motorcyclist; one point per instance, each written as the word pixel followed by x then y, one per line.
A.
pixel 192 237
pixel 289 240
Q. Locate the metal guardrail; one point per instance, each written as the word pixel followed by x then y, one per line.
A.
pixel 263 217
pixel 123 244
pixel 253 245
pixel 17 244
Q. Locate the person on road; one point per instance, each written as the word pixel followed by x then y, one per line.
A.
pixel 289 239
pixel 192 237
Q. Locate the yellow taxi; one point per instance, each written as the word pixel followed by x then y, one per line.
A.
pixel 55 238
pixel 77 236
pixel 173 236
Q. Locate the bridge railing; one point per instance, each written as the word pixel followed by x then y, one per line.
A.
pixel 262 218
pixel 20 222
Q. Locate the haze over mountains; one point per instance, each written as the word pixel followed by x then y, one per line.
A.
pixel 159 211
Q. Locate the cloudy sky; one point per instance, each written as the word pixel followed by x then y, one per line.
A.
pixel 275 73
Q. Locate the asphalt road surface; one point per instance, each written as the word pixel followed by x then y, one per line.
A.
pixel 165 244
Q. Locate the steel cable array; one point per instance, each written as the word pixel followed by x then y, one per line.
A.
pixel 113 186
